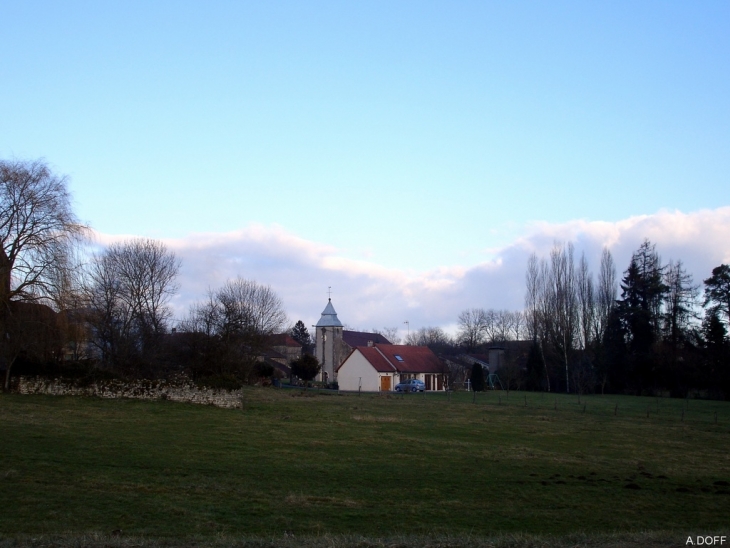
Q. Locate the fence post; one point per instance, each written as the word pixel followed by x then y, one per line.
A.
pixel 615 410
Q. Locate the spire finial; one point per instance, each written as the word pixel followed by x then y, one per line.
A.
pixel 329 292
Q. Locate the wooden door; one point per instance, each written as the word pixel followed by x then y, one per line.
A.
pixel 385 384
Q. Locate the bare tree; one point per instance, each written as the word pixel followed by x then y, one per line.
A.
pixel 503 326
pixel 586 303
pixel 38 229
pixel 427 336
pixel 233 324
pixel 606 293
pixel 250 308
pixel 537 307
pixel 390 333
pixel 680 305
pixel 563 304
pixel 518 322
pixel 472 327
pixel 128 289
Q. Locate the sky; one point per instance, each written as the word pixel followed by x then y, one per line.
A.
pixel 409 155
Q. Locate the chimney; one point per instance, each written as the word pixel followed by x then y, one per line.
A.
pixel 370 343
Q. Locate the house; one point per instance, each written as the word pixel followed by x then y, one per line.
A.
pixel 285 345
pixel 379 367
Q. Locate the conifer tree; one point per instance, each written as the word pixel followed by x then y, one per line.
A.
pixel 477 377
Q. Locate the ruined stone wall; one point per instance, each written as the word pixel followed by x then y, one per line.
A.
pixel 179 390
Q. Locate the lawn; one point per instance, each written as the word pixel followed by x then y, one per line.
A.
pixel 296 463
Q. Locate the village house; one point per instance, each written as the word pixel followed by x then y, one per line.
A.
pixel 379 367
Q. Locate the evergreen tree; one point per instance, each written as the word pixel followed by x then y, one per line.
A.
pixel 300 334
pixel 716 370
pixel 717 290
pixel 639 309
pixel 477 377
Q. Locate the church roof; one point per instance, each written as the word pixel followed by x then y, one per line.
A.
pixel 329 317
pixel 360 338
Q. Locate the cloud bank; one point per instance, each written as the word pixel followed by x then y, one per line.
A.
pixel 367 295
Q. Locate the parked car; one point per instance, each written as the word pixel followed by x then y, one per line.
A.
pixel 411 385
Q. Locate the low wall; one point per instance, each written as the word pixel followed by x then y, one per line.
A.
pixel 179 390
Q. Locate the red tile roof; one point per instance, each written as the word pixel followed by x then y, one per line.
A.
pixel 414 359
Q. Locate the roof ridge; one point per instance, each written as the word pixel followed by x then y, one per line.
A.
pixel 375 346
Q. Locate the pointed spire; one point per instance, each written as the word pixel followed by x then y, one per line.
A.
pixel 329 316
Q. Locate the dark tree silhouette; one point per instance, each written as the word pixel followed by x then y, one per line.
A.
pixel 300 334
pixel 477 377
pixel 306 368
pixel 38 231
pixel 717 290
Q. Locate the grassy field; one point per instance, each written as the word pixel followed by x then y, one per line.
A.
pixel 309 464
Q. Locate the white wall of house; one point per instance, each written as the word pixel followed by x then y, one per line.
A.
pixel 356 373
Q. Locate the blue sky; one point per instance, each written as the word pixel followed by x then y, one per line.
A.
pixel 409 137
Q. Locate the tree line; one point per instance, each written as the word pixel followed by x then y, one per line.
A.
pixel 652 331
pixel 111 308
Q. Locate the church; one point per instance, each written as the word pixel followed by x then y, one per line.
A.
pixel 358 360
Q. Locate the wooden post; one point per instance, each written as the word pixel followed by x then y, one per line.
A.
pixel 615 410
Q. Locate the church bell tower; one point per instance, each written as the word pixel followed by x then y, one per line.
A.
pixel 328 338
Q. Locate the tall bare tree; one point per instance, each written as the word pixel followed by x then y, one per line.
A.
pixel 128 289
pixel 586 303
pixel 537 307
pixel 563 304
pixel 606 293
pixel 680 303
pixel 38 230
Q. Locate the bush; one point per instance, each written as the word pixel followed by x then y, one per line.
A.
pixel 264 370
pixel 220 382
pixel 306 368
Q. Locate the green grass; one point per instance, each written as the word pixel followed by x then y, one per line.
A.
pixel 292 463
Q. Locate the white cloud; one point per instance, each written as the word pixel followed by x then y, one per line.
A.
pixel 368 295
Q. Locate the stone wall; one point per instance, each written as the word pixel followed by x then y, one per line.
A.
pixel 179 390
